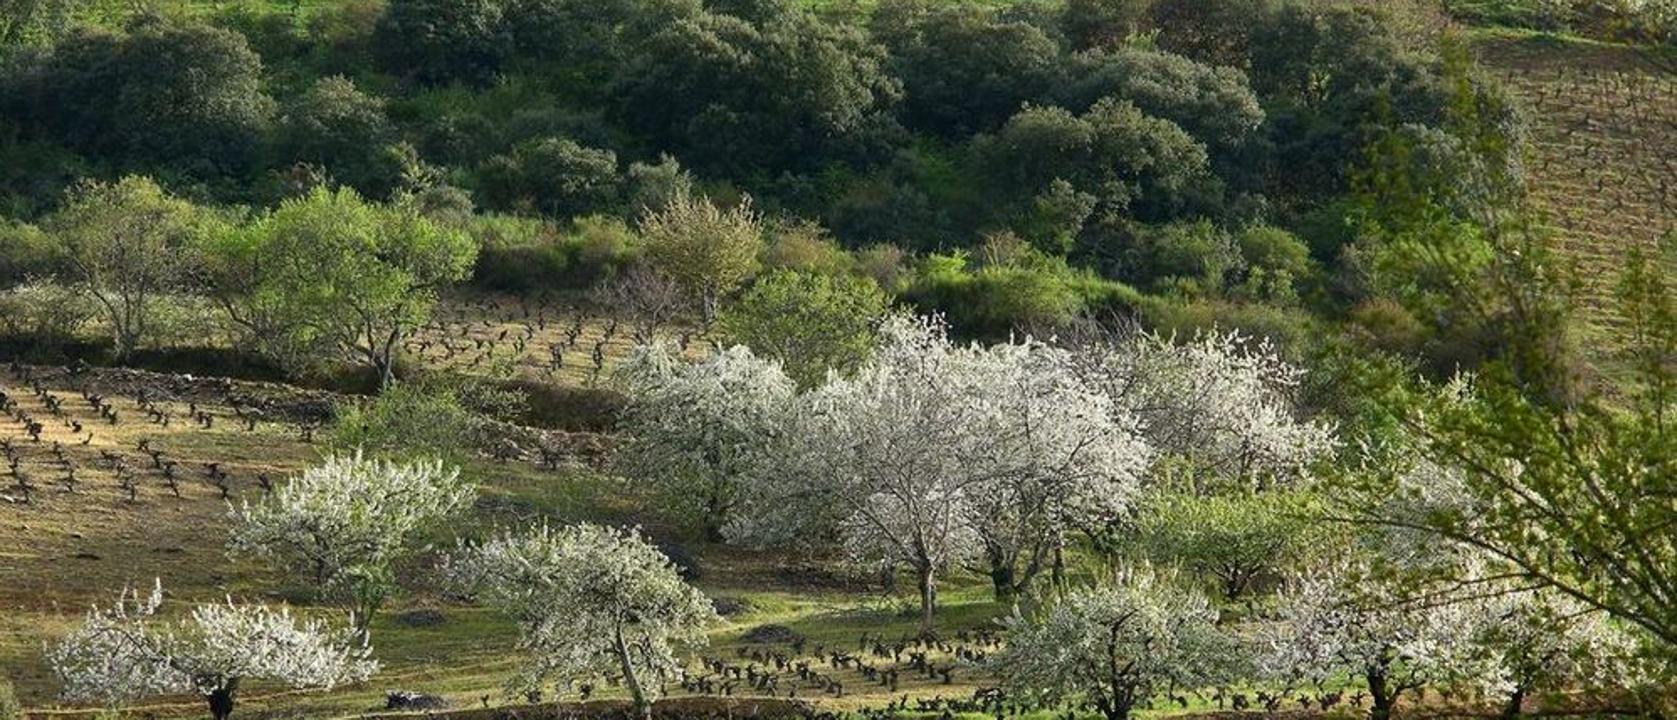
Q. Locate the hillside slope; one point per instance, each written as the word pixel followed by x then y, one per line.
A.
pixel 1604 150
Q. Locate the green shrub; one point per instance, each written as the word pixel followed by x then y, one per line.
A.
pixel 25 252
pixel 407 416
pixel 1194 258
pixel 554 176
pixel 521 255
pixel 805 247
pixel 1291 330
pixel 10 708
pixel 1033 291
pixel 809 322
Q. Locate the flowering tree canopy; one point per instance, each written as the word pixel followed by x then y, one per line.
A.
pixel 1526 640
pixel 591 602
pixel 1340 618
pixel 124 652
pixel 934 454
pixel 698 429
pixel 1220 405
pixel 1115 645
pixel 343 522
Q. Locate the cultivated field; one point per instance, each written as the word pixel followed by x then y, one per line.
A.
pixel 97 505
pixel 1604 151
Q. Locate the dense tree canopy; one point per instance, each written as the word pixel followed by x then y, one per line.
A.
pixel 162 92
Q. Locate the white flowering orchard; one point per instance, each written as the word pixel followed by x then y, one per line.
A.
pixel 699 430
pixel 1114 645
pixel 935 454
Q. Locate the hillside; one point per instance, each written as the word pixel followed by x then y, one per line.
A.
pixel 1603 163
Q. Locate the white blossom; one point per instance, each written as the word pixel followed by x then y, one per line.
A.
pixel 1220 402
pixel 698 429
pixel 1339 618
pixel 1115 645
pixel 125 652
pixel 344 521
pixel 935 454
pixel 1526 640
pixel 591 602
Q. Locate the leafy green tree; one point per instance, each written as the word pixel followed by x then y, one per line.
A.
pixel 1216 33
pixel 731 94
pixel 1275 262
pixel 965 67
pixel 1089 24
pixel 132 244
pixel 650 186
pixel 335 126
pixel 439 41
pixel 1574 493
pixel 32 23
pixel 1213 104
pixel 409 417
pixel 708 250
pixel 555 176
pixel 1132 163
pixel 1193 257
pixel 1236 542
pixel 810 323
pixel 166 93
pixel 331 268
pixel 585 41
pixel 1336 77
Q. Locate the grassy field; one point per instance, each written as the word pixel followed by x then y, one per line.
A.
pixel 1603 162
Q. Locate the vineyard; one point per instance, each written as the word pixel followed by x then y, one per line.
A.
pixel 1604 151
pixel 114 477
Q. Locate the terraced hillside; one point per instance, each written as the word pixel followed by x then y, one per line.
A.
pixel 1604 141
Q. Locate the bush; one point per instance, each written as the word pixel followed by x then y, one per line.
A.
pixel 25 252
pixel 805 247
pixel 1033 292
pixel 554 176
pixel 1290 329
pixel 887 265
pixel 407 416
pixel 442 40
pixel 1193 257
pixel 10 708
pixel 178 94
pixel 337 127
pixel 520 255
pixel 810 323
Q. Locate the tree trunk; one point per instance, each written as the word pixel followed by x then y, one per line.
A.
pixel 636 692
pixel 1002 579
pixel 713 516
pixel 221 700
pixel 1515 702
pixel 1058 573
pixel 386 371
pixel 1381 700
pixel 707 309
pixel 928 597
pixel 1113 710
